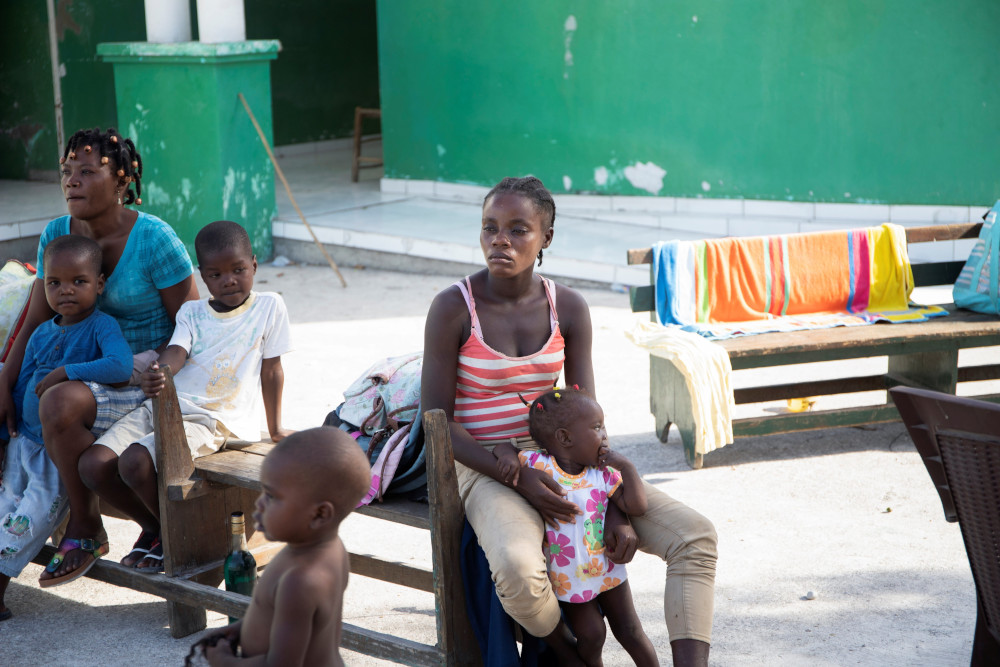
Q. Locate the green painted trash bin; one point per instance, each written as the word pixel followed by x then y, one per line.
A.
pixel 202 157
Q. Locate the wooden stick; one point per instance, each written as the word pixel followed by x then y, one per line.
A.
pixel 281 175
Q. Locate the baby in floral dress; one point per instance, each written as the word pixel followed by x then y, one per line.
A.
pixel 569 425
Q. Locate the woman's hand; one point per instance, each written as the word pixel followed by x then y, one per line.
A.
pixel 546 496
pixel 508 463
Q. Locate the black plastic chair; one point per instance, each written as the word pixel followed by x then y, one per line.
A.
pixel 959 442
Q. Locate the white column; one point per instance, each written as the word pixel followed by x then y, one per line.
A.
pixel 221 21
pixel 168 21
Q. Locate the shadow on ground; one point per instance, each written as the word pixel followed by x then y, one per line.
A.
pixel 655 458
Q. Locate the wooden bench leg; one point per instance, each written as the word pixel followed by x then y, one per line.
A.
pixel 455 636
pixel 670 403
pixel 193 517
pixel 937 371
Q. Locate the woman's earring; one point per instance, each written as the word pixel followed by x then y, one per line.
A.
pixel 118 193
pixel 539 258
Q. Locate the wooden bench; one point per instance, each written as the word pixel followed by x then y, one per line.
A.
pixel 196 497
pixel 923 355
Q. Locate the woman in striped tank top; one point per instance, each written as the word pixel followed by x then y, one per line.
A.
pixel 502 335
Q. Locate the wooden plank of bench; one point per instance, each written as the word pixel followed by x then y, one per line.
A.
pixel 960 329
pixel 447 514
pixel 192 594
pixel 235 468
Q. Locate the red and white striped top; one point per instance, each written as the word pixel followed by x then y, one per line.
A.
pixel 490 384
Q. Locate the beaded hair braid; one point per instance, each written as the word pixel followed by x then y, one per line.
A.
pixel 533 189
pixel 554 410
pixel 115 149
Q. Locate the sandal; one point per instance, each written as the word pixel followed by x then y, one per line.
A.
pixel 152 561
pixel 139 549
pixel 94 549
pixel 6 615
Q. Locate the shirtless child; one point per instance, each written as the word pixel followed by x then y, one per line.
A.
pixel 310 481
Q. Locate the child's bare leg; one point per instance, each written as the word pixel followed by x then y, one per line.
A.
pixel 66 411
pixel 620 610
pixel 137 471
pixel 588 625
pixel 562 642
pixel 99 471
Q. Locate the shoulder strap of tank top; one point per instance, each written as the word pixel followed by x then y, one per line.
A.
pixel 550 292
pixel 465 287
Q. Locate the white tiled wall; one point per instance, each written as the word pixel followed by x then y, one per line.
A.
pixel 716 216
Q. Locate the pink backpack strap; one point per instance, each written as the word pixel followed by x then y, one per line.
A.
pixel 465 287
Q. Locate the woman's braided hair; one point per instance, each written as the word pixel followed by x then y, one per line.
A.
pixel 114 148
pixel 533 189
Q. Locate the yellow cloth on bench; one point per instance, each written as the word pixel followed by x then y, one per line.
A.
pixel 707 374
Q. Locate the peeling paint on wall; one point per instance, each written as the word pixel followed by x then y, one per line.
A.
pixel 569 27
pixel 601 176
pixel 154 195
pixel 228 188
pixel 646 176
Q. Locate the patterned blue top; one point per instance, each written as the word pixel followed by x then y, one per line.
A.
pixel 153 259
pixel 92 350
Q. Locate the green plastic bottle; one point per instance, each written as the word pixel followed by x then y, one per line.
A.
pixel 240 570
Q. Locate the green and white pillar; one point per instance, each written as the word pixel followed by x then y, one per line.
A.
pixel 202 158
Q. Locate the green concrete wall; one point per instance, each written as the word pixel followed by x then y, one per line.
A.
pixel 329 65
pixel 889 101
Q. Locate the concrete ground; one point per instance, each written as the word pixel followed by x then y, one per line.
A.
pixel 849 514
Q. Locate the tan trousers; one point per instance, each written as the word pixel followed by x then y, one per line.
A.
pixel 510 531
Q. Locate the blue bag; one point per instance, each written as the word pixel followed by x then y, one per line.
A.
pixel 977 285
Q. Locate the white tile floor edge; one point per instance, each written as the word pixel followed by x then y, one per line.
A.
pixel 432 249
pixel 734 209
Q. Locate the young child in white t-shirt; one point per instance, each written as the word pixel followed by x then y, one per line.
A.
pixel 224 351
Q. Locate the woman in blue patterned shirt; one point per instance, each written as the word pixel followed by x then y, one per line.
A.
pixel 148 276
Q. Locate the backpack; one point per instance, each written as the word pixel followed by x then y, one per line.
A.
pixel 977 285
pixel 386 395
pixel 381 410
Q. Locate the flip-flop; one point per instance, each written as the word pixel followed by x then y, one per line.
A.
pixel 153 561
pixel 140 548
pixel 6 615
pixel 92 547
